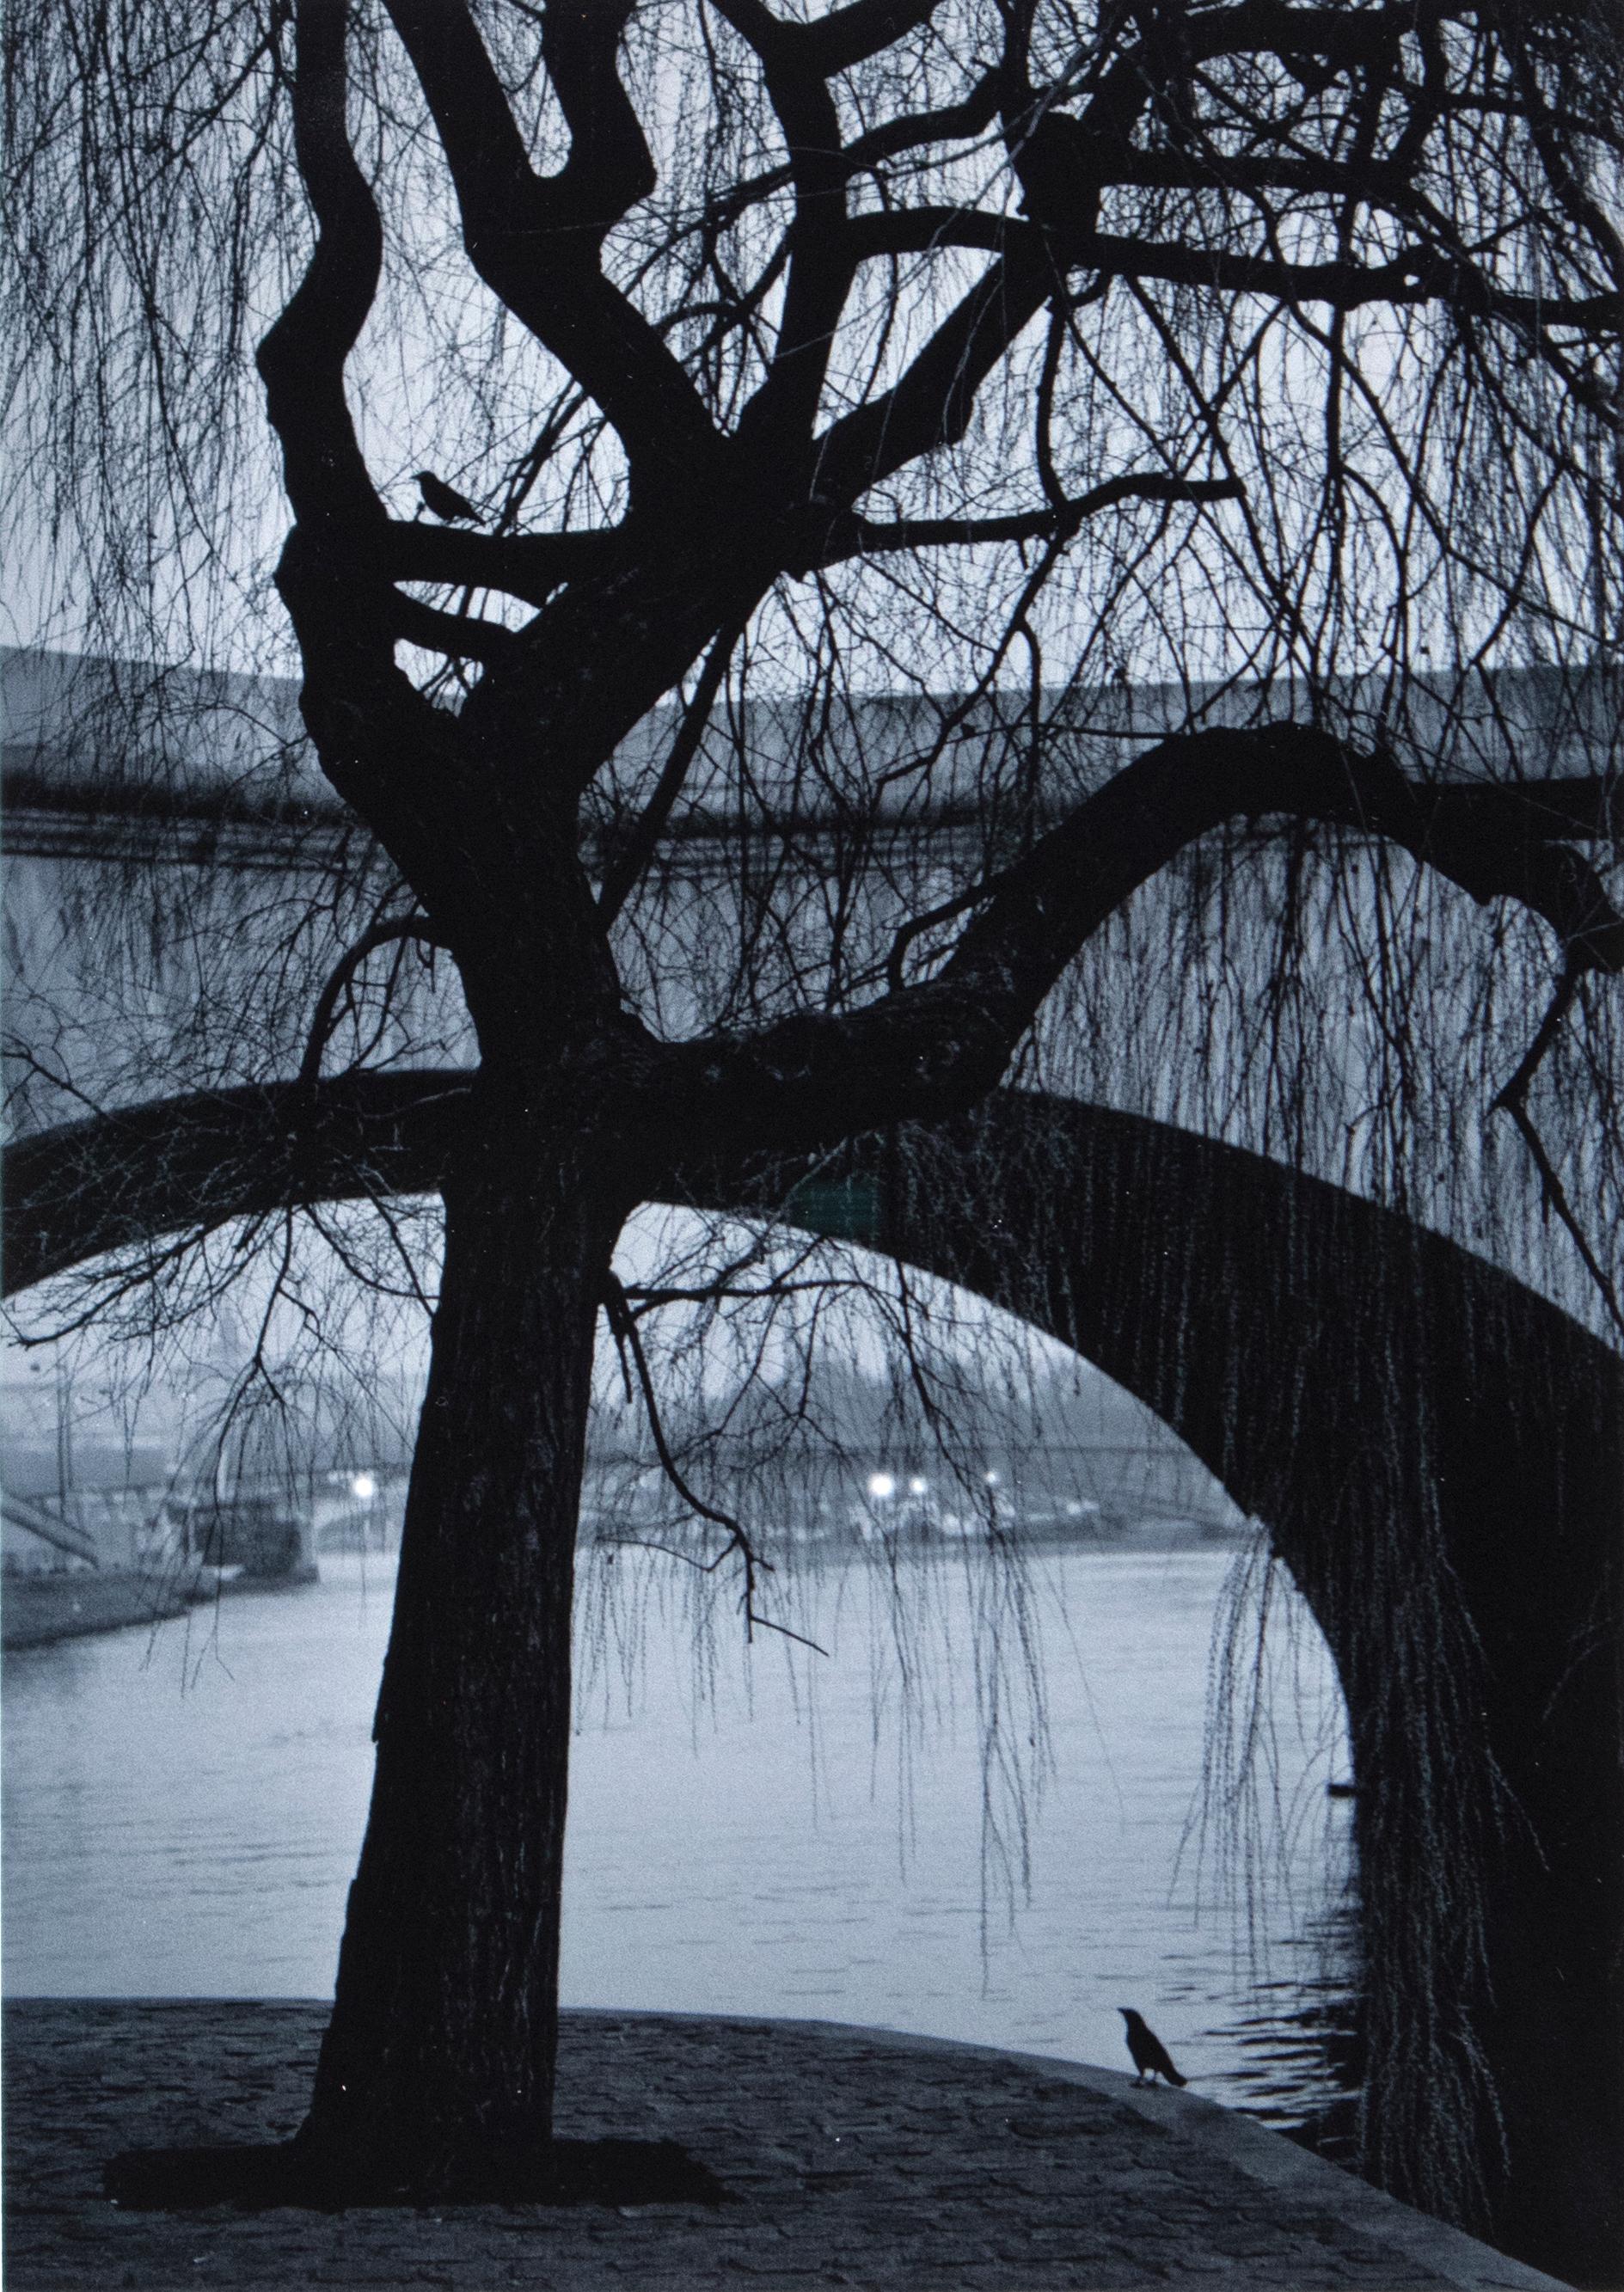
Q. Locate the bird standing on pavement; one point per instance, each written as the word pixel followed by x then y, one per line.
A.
pixel 1147 2049
pixel 444 500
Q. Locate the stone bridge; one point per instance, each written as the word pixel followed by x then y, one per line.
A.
pixel 1439 1456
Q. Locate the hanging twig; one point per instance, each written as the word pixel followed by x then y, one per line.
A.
pixel 1513 1100
pixel 620 879
pixel 623 1326
pixel 1516 1090
pixel 413 926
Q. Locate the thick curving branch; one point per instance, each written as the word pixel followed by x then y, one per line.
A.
pixel 128 1179
pixel 460 636
pixel 848 36
pixel 820 259
pixel 931 404
pixel 1084 868
pixel 529 566
pixel 536 241
pixel 302 355
pixel 919 1052
pixel 381 742
pixel 931 1049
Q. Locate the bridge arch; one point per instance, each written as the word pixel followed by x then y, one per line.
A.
pixel 1438 1454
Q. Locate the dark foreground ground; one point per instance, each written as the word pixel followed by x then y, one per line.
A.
pixel 849 2157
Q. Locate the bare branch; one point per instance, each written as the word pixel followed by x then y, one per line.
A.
pixel 820 260
pixel 932 1048
pixel 529 566
pixel 302 357
pixel 536 241
pixel 971 117
pixel 1417 274
pixel 193 1163
pixel 862 536
pixel 833 43
pixel 461 637
pixel 620 877
pixel 930 404
pixel 1512 1099
pixel 382 934
pixel 623 1323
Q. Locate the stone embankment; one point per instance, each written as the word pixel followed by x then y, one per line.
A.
pixel 36 1610
pixel 849 2157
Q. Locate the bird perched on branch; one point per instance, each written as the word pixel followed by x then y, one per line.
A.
pixel 444 500
pixel 1147 2049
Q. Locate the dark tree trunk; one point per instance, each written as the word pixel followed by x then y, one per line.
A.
pixel 436 2074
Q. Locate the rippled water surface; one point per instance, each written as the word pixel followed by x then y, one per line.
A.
pixel 892 1833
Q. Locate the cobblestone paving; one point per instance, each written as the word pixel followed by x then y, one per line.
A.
pixel 849 2160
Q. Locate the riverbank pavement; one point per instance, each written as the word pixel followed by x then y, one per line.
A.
pixel 848 2156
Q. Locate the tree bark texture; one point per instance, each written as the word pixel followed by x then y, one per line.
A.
pixel 436 2074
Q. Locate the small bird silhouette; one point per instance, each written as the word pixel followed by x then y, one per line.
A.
pixel 1147 2049
pixel 444 500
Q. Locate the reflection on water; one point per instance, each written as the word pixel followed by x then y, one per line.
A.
pixel 868 1836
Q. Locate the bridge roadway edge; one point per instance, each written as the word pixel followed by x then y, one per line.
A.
pixel 1225 2200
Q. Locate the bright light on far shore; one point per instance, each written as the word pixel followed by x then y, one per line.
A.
pixel 363 1487
pixel 917 1486
pixel 991 1479
pixel 881 1484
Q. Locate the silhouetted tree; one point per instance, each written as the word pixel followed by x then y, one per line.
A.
pixel 1267 355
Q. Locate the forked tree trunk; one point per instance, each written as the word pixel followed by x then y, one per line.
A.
pixel 436 2074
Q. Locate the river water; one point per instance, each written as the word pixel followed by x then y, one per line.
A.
pixel 897 1831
